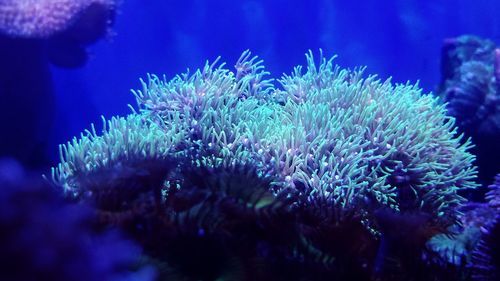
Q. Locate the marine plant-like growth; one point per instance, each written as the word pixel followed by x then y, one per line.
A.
pixel 224 156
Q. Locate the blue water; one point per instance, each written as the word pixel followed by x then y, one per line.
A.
pixel 399 38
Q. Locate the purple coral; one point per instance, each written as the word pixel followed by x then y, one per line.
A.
pixel 45 18
pixel 65 26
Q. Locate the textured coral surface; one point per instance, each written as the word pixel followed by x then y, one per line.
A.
pixel 217 152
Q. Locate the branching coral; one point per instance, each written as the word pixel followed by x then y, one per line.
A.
pixel 342 146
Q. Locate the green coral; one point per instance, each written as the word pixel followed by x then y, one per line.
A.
pixel 131 152
pixel 350 143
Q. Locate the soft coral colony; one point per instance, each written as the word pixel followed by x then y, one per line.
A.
pixel 326 159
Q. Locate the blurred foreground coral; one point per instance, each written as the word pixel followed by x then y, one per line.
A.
pixel 45 238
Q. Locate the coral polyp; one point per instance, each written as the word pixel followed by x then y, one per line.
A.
pixel 344 146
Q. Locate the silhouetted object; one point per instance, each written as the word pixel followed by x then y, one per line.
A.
pixel 43 237
pixel 34 33
pixel 470 84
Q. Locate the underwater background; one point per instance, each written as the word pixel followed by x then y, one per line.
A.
pixel 399 39
pixel 62 71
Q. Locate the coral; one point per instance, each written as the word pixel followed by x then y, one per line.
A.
pixel 371 143
pixel 470 85
pixel 130 150
pixel 472 245
pixel 456 246
pixel 45 238
pixel 224 222
pixel 65 27
pixel 486 258
pixel 341 146
pixel 44 18
pixel 485 262
pixel 336 137
pixel 493 195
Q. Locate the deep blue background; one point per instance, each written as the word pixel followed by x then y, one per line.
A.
pixel 401 39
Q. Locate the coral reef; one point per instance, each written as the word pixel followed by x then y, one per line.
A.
pixel 219 158
pixel 470 85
